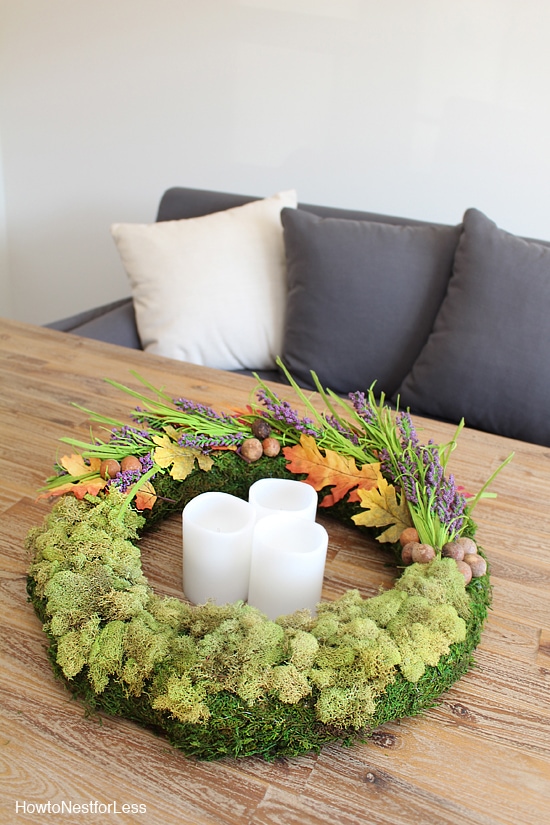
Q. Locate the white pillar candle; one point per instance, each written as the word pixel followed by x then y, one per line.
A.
pixel 288 563
pixel 272 495
pixel 217 545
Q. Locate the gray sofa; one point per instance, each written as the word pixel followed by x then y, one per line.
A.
pixel 451 321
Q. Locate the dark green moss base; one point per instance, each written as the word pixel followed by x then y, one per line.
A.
pixel 269 728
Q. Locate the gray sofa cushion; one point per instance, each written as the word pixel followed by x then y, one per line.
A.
pixel 114 322
pixel 488 357
pixel 362 297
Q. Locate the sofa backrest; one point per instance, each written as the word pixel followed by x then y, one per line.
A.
pixel 182 202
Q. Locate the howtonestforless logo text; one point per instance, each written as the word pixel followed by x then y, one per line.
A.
pixel 91 807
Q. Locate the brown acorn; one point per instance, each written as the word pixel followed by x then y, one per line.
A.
pixel 130 462
pixel 423 553
pixel 271 447
pixel 409 534
pixel 468 545
pixel 466 571
pixel 251 449
pixel 109 468
pixel 406 552
pixel 477 564
pixel 261 429
pixel 453 550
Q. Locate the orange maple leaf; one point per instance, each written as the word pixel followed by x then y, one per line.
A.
pixel 330 470
pixel 93 486
pixel 145 497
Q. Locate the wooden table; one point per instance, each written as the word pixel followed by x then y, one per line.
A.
pixel 482 756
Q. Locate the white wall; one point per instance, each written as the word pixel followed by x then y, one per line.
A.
pixel 5 286
pixel 420 108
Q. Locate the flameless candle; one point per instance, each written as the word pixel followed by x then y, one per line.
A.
pixel 271 495
pixel 288 562
pixel 217 544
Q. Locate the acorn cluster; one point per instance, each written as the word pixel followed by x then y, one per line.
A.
pixel 462 550
pixel 110 466
pixel 261 443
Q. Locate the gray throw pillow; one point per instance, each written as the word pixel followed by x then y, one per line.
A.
pixel 362 297
pixel 488 357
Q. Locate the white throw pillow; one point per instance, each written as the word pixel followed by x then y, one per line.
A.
pixel 211 290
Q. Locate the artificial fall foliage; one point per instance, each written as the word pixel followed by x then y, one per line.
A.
pixel 181 459
pixel 92 487
pixel 331 470
pixel 145 497
pixel 77 468
pixel 381 509
pixel 76 465
pixel 92 483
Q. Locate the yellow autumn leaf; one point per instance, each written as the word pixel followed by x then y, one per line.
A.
pixel 76 466
pixel 180 459
pixel 382 509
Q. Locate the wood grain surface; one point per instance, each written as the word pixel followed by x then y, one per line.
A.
pixel 481 757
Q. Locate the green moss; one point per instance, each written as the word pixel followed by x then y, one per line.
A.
pixel 183 700
pixel 106 654
pixel 304 647
pixel 440 581
pixel 352 707
pixel 73 649
pixel 289 684
pixel 146 644
pixel 381 609
pixel 173 612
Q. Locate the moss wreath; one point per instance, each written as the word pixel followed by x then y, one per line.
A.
pixel 224 680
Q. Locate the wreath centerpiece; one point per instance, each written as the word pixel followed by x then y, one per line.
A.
pixel 225 680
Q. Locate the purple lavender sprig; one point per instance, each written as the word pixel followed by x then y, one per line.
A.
pixel 186 405
pixel 282 412
pixel 146 462
pixel 379 437
pixel 207 443
pixel 406 428
pixel 437 507
pixel 363 407
pixel 126 436
pixel 124 479
pixel 342 428
pixel 331 428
